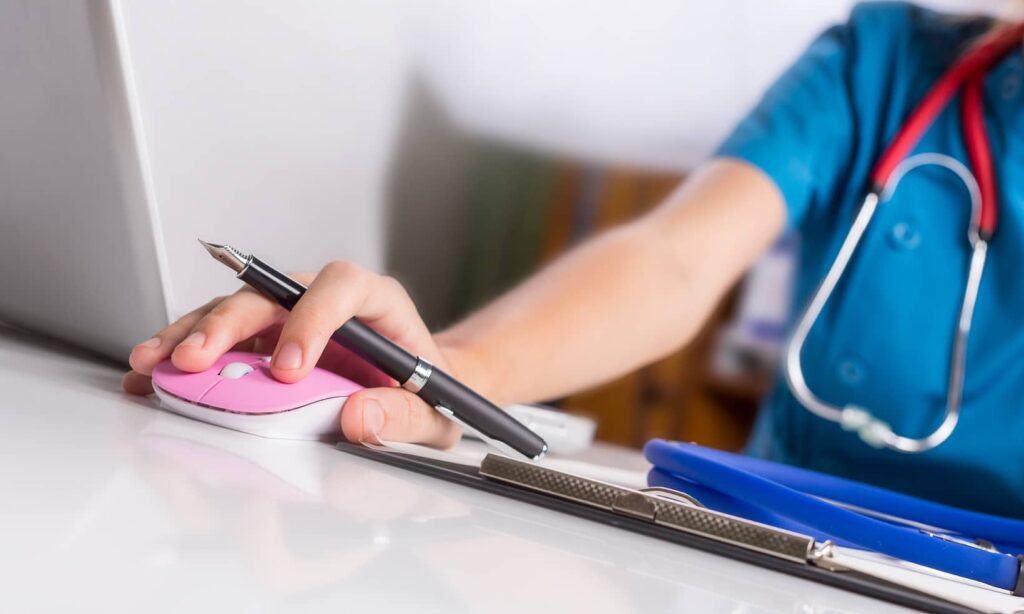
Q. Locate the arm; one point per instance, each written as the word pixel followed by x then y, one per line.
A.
pixel 622 300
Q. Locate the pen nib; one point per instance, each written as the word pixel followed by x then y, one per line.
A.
pixel 227 255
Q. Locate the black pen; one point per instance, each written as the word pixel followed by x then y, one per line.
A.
pixel 437 388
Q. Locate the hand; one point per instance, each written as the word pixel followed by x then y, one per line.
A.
pixel 247 321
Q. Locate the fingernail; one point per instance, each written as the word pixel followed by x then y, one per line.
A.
pixel 197 339
pixel 373 419
pixel 289 356
pixel 151 343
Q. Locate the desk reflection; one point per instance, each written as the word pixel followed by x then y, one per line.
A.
pixel 310 524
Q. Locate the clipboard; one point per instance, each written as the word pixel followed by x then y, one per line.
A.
pixel 681 522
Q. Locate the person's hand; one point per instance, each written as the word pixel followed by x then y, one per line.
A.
pixel 247 321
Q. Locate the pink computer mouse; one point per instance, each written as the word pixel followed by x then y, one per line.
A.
pixel 238 392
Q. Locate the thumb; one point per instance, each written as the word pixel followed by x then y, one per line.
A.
pixel 394 414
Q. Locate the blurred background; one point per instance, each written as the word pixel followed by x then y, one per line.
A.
pixel 534 124
pixel 456 144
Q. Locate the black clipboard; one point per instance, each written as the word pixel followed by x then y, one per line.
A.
pixel 471 476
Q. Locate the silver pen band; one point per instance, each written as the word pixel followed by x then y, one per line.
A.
pixel 420 375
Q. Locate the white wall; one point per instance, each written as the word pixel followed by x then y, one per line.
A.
pixel 656 82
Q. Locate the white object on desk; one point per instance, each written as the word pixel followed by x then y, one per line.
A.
pixel 564 433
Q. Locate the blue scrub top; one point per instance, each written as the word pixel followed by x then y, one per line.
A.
pixel 884 340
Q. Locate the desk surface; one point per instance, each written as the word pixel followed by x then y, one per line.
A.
pixel 109 504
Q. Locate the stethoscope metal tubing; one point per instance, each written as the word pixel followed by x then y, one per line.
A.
pixel 871 429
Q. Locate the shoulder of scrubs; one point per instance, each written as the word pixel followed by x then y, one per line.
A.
pixel 817 130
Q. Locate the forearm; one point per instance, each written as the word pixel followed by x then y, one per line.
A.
pixel 623 299
pixel 586 318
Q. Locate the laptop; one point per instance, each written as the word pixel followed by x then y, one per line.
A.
pixel 129 130
pixel 79 253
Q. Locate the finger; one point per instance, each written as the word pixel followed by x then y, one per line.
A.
pixel 266 341
pixel 147 354
pixel 393 414
pixel 231 321
pixel 342 291
pixel 249 345
pixel 340 360
pixel 134 382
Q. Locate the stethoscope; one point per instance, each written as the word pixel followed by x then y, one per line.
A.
pixel 833 510
pixel 967 75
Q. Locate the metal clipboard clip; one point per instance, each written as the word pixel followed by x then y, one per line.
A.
pixel 662 506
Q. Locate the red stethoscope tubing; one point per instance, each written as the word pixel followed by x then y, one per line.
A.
pixel 968 74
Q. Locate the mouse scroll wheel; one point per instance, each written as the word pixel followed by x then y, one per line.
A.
pixel 235 370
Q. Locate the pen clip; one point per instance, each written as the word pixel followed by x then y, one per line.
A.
pixel 499 445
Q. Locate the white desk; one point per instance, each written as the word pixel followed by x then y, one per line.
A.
pixel 107 504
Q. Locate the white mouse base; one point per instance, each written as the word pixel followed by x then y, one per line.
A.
pixel 315 421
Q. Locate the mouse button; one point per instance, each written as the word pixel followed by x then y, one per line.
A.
pixel 260 393
pixel 184 385
pixel 257 393
pixel 235 370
